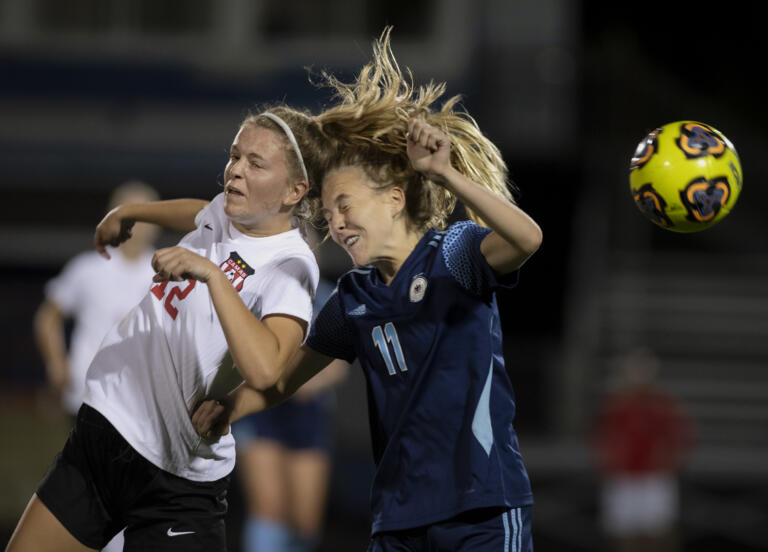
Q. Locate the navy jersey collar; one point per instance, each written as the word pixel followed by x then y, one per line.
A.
pixel 375 276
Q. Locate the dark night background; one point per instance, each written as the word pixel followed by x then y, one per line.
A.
pixel 93 93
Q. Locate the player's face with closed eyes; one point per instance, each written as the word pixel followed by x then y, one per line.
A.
pixel 256 178
pixel 359 216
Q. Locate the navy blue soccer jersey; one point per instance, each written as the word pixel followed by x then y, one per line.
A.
pixel 441 405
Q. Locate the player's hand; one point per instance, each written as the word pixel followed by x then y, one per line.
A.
pixel 113 230
pixel 429 149
pixel 211 419
pixel 177 263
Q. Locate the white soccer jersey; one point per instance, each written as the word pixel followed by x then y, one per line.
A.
pixel 96 293
pixel 170 352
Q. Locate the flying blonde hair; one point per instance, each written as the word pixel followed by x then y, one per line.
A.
pixel 368 128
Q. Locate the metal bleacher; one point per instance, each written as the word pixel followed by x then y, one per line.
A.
pixel 708 322
pixel 700 302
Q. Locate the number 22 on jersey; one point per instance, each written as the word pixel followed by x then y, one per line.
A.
pixel 380 339
pixel 158 290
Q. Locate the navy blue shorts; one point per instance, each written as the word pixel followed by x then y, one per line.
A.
pixel 482 530
pixel 99 484
pixel 295 424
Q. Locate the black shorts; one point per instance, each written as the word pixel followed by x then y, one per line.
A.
pixel 98 484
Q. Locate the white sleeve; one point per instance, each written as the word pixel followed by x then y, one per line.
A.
pixel 290 288
pixel 65 289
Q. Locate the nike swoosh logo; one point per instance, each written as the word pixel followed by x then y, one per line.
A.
pixel 208 226
pixel 172 533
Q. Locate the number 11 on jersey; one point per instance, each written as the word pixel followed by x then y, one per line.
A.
pixel 380 339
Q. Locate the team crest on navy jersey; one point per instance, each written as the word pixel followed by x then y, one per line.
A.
pixel 418 288
pixel 236 269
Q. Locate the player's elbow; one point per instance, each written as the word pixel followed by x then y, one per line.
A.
pixel 533 239
pixel 527 244
pixel 260 377
pixel 262 382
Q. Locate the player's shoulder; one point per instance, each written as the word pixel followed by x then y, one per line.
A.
pixel 287 255
pixel 291 248
pixel 357 276
pixel 462 256
pixel 215 204
pixel 461 240
pixel 297 263
pixel 462 232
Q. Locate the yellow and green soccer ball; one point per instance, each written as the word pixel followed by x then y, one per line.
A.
pixel 685 176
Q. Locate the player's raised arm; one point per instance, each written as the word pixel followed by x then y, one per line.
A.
pixel 173 214
pixel 515 235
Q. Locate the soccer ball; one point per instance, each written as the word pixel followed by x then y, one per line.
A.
pixel 685 176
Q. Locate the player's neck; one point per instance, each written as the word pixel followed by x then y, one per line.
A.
pixel 263 228
pixel 396 251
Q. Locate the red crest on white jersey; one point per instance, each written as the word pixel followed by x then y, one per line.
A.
pixel 236 269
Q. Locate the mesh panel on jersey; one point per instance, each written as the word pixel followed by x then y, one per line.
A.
pixel 330 335
pixel 461 250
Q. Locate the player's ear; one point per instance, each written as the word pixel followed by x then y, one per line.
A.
pixel 396 197
pixel 296 191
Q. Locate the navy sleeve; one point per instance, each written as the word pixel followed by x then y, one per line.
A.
pixel 330 335
pixel 466 263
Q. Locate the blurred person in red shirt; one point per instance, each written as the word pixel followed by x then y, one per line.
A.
pixel 641 438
